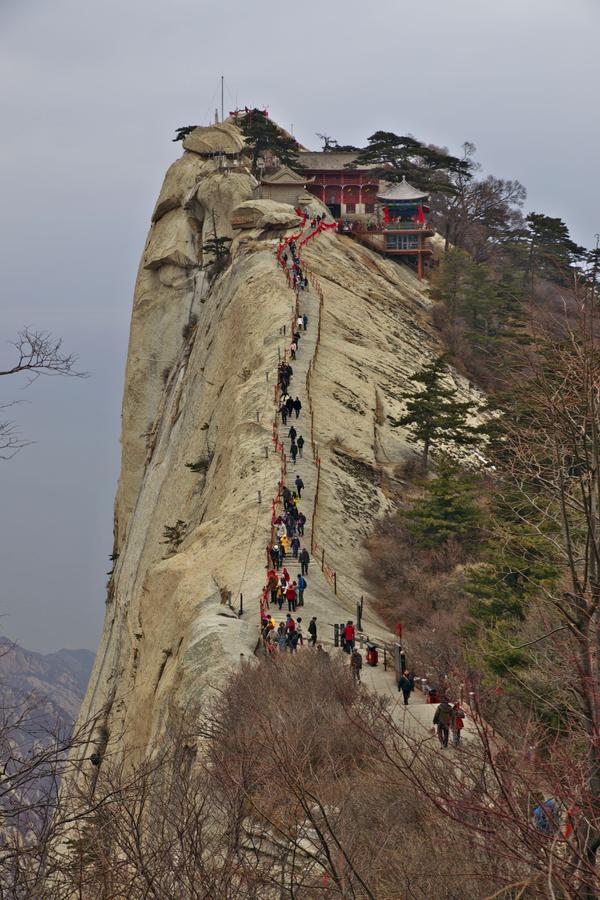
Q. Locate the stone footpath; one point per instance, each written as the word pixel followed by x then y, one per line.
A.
pixel 319 599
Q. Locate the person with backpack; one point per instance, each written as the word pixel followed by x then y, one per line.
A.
pixel 312 630
pixel 299 483
pixel 292 434
pixel 406 685
pixel 457 723
pixel 443 717
pixel 356 664
pixel 301 588
pixel 300 443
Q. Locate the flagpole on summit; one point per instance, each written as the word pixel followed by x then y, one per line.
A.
pixel 222 99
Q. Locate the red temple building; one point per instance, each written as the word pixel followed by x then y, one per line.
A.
pixel 389 218
pixel 344 191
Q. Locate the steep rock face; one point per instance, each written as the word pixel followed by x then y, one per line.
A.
pixel 200 389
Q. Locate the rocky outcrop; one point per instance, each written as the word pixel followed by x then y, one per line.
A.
pixel 214 139
pixel 262 213
pixel 199 390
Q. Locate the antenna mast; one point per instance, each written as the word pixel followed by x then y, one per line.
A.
pixel 222 99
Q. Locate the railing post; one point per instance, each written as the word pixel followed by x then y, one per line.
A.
pixel 241 609
pixel 323 559
pixel 335 582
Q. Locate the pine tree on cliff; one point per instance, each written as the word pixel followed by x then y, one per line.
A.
pixel 264 135
pixel 434 414
pixel 427 168
pixel 446 510
pixel 550 251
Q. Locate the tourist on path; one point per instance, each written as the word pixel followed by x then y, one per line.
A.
pixel 312 630
pixel 304 560
pixel 294 452
pixel 299 483
pixel 297 405
pixel 290 596
pixel 406 685
pixel 295 546
pixel 275 556
pixel 302 585
pixel 281 636
pixel 349 636
pixel 293 638
pixel 299 630
pixel 443 717
pixel 457 723
pixel 284 413
pixel 300 443
pixel 292 434
pixel 356 665
pixel 300 525
pixel 289 403
pixel 305 321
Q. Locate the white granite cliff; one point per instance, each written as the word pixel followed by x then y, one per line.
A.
pixel 196 388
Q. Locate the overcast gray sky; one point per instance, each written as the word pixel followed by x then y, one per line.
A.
pixel 90 94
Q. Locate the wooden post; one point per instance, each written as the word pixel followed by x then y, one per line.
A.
pixel 323 559
pixel 241 609
pixel 384 659
pixel 335 582
pixel 260 496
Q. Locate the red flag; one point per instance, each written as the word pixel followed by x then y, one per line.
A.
pixel 420 216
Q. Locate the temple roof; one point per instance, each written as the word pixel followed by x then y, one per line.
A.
pixel 320 160
pixel 402 191
pixel 284 175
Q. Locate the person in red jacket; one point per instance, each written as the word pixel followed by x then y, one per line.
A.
pixel 349 637
pixel 291 597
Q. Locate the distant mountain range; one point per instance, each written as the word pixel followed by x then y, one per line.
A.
pixel 58 680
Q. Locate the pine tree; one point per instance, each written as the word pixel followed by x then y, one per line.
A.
pixel 262 134
pixel 449 281
pixel 434 414
pixel 446 510
pixel 428 168
pixel 174 535
pixel 551 252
